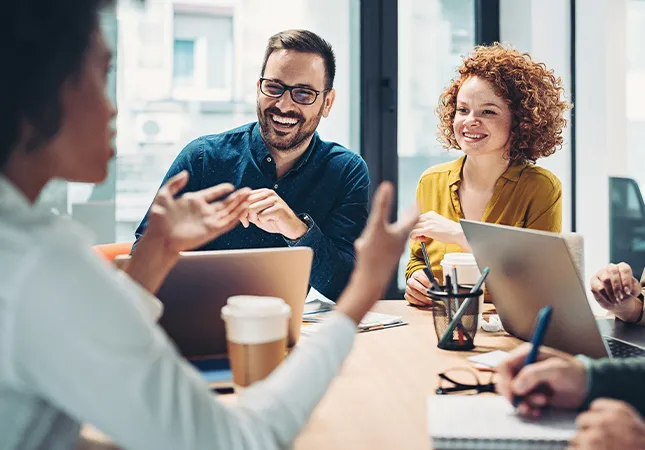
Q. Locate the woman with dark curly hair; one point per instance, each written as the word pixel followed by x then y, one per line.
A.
pixel 504 111
pixel 79 342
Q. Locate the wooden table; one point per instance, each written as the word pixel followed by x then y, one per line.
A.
pixel 378 401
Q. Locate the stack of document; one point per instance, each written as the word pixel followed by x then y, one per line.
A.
pixel 317 310
pixel 317 305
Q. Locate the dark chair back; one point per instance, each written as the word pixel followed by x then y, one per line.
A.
pixel 627 223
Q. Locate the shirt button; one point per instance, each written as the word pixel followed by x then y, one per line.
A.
pixel 275 186
pixel 268 159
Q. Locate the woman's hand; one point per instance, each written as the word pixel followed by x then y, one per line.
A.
pixel 432 225
pixel 180 223
pixel 194 218
pixel 415 289
pixel 378 250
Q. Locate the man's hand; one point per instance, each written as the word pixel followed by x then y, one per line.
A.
pixel 415 289
pixel 269 212
pixel 557 379
pixel 616 289
pixel 609 424
pixel 433 225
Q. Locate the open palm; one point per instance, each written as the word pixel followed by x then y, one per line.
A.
pixel 379 247
pixel 194 218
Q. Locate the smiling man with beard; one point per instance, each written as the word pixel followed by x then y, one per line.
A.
pixel 306 192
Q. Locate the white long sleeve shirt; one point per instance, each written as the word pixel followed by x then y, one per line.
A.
pixel 79 344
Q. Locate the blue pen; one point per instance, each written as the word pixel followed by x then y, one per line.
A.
pixel 543 320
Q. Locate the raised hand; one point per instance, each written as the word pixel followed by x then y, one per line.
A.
pixel 194 218
pixel 378 250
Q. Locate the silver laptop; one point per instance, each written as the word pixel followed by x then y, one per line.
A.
pixel 199 285
pixel 531 269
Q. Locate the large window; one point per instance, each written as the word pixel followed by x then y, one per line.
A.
pixel 203 80
pixel 433 36
pixel 186 68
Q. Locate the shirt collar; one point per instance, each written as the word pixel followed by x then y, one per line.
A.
pixel 260 152
pixel 454 178
pixel 512 172
pixel 11 198
pixel 259 149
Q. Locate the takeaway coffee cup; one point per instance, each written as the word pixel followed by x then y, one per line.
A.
pixel 256 334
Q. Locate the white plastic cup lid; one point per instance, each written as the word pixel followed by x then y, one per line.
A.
pixel 255 319
pixel 253 306
pixel 458 259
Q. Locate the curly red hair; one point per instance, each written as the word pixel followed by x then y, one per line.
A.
pixel 533 93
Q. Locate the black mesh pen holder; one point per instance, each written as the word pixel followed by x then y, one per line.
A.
pixel 455 317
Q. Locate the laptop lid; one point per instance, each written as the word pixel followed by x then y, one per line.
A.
pixel 530 269
pixel 199 285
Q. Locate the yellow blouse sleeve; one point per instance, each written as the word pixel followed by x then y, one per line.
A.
pixel 547 215
pixel 416 261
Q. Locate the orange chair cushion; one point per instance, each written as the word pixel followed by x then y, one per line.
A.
pixel 111 251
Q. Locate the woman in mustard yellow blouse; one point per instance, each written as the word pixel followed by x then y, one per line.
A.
pixel 504 111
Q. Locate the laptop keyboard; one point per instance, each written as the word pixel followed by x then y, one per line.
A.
pixel 620 349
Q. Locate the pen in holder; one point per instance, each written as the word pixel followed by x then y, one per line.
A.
pixel 455 316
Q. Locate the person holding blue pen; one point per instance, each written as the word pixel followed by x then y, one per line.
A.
pixel 609 393
pixel 543 320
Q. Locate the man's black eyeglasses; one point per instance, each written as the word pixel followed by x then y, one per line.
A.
pixel 463 381
pixel 300 95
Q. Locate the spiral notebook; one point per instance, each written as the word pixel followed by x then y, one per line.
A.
pixel 490 422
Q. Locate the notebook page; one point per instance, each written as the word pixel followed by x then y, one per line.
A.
pixel 493 417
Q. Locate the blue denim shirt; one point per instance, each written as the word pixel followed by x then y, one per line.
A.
pixel 328 183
